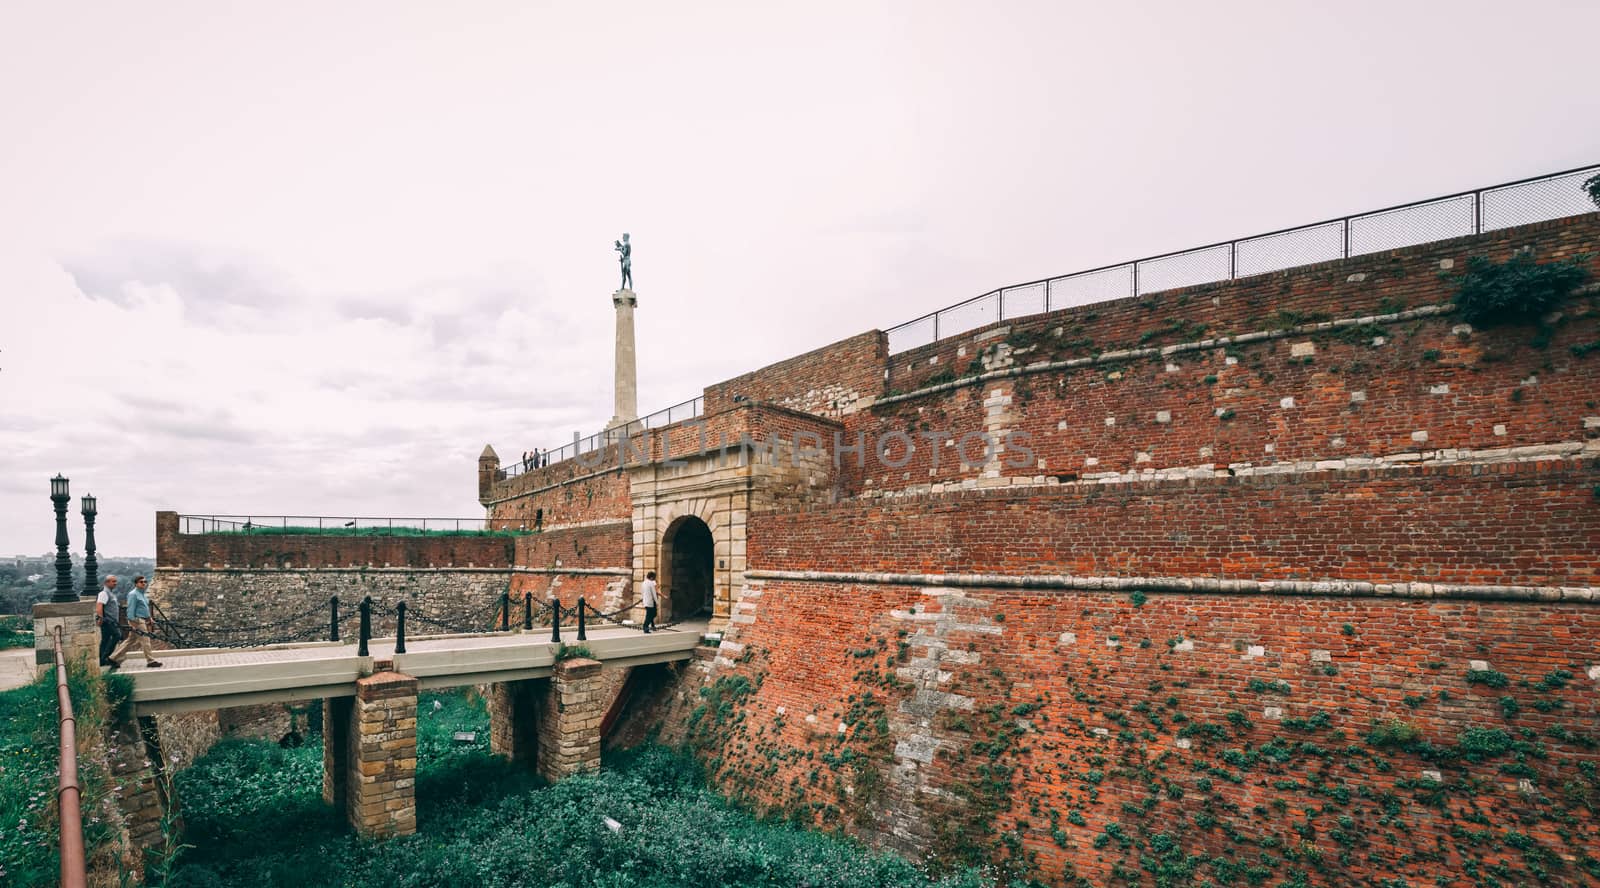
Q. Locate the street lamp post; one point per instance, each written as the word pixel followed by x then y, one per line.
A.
pixel 59 495
pixel 91 568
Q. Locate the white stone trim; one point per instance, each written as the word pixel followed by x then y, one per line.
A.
pixel 1200 585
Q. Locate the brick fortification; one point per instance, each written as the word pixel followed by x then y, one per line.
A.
pixel 1301 583
pixel 1293 578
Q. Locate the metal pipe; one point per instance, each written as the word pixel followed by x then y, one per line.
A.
pixel 505 611
pixel 582 634
pixel 366 626
pixel 400 628
pixel 333 618
pixel 69 797
pixel 527 612
pixel 555 619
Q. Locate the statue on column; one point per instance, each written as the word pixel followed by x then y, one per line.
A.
pixel 626 258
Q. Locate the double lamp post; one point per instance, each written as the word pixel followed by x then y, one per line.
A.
pixel 61 495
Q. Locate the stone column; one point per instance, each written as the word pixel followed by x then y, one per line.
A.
pixel 569 726
pixel 382 787
pixel 514 719
pixel 80 637
pixel 626 383
pixel 336 750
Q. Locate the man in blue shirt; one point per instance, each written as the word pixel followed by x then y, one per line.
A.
pixel 140 627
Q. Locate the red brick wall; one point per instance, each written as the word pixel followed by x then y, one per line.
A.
pixel 1068 759
pixel 601 545
pixel 324 550
pixel 1427 387
pixel 821 381
pixel 1533 523
pixel 1409 277
pixel 566 492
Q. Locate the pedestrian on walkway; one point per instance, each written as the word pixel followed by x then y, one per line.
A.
pixel 650 598
pixel 140 627
pixel 106 610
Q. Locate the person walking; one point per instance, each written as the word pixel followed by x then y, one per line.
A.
pixel 140 627
pixel 106 611
pixel 650 598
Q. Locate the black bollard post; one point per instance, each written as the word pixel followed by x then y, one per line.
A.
pixel 582 635
pixel 366 626
pixel 400 628
pixel 527 612
pixel 333 618
pixel 555 619
pixel 505 611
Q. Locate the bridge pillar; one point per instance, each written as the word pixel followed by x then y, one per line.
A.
pixel 381 785
pixel 514 720
pixel 569 726
pixel 336 750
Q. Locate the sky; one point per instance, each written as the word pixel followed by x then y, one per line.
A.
pixel 308 258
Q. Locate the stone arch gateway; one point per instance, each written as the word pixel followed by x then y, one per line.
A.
pixel 687 559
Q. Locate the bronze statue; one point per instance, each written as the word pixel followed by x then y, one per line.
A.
pixel 626 249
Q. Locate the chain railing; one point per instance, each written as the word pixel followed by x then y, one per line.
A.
pixel 1551 196
pixel 327 524
pixel 676 413
pixel 330 622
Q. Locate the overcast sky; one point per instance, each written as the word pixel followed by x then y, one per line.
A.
pixel 308 257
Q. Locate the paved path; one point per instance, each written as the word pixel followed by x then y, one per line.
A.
pixel 16 668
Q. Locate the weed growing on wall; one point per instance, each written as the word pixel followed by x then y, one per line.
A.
pixel 1518 289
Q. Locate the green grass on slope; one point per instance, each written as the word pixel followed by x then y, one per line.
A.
pixel 30 754
pixel 16 632
pixel 256 815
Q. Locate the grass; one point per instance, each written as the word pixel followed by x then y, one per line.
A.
pixel 296 530
pixel 29 756
pixel 255 813
pixel 16 632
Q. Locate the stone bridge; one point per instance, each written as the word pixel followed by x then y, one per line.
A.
pixel 547 709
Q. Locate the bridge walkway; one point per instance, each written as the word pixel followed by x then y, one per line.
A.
pixel 211 678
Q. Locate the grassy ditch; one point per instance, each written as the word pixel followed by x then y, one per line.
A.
pixel 255 814
pixel 16 632
pixel 30 753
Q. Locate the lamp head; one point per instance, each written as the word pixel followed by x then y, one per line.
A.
pixel 58 488
pixel 89 504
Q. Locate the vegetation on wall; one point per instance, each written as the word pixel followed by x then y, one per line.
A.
pixel 1516 290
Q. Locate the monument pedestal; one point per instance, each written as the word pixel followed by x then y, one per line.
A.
pixel 626 380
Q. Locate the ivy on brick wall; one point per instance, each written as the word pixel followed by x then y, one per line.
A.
pixel 1516 290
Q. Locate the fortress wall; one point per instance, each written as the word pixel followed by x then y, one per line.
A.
pixel 560 494
pixel 1418 384
pixel 1529 524
pixel 601 545
pixel 174 549
pixel 1371 284
pixel 1229 737
pixel 825 381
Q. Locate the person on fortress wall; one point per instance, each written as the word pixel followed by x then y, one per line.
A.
pixel 106 610
pixel 140 627
pixel 649 598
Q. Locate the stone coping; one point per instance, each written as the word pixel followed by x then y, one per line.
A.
pixel 47 609
pixel 1202 585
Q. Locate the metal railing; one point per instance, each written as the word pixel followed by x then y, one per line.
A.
pixel 69 797
pixel 676 413
pixel 1551 196
pixel 331 524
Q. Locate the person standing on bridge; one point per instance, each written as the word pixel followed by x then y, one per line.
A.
pixel 650 598
pixel 106 610
pixel 140 627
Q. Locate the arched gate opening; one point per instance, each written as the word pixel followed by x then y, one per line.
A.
pixel 687 580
